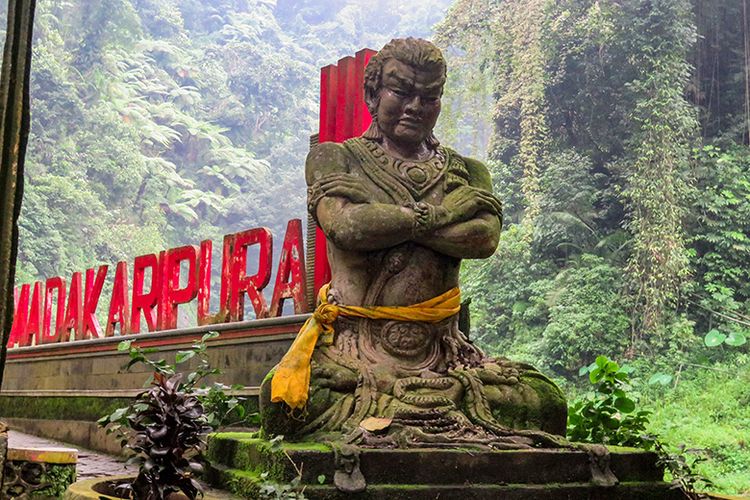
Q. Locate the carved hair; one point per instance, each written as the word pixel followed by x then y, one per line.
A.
pixel 415 52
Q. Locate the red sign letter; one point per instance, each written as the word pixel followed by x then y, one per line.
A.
pixel 144 302
pixel 254 284
pixel 227 268
pixel 21 316
pixel 118 306
pixel 53 284
pixel 291 262
pixel 173 294
pixel 204 284
pixel 91 327
pixel 74 312
pixel 34 323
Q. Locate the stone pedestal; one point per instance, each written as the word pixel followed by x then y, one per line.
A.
pixel 239 461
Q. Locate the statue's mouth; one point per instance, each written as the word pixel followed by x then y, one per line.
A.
pixel 410 122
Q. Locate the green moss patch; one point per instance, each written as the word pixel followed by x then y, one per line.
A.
pixel 85 408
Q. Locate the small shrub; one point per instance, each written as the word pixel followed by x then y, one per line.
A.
pixel 609 415
pixel 166 425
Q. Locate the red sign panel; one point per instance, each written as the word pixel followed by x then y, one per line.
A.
pixel 343 115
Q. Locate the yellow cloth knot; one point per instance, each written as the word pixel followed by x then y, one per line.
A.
pixel 291 380
pixel 326 314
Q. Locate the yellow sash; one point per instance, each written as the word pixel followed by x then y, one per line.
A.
pixel 291 381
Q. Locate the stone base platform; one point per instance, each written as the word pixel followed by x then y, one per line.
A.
pixel 244 464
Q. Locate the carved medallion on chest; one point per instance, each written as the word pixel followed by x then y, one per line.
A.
pixel 399 177
pixel 419 177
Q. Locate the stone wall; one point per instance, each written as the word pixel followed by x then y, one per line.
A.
pixel 60 390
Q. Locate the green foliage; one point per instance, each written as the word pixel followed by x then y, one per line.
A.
pixel 59 478
pixel 709 409
pixel 608 79
pixel 663 124
pixel 608 415
pixel 165 426
pixel 586 314
pixel 681 467
pixel 220 408
pixel 719 241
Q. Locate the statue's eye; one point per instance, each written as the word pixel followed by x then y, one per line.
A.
pixel 399 93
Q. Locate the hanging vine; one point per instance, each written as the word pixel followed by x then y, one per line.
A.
pixel 655 170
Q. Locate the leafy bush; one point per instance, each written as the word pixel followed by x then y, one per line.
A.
pixel 586 314
pixel 165 426
pixel 608 415
pixel 167 429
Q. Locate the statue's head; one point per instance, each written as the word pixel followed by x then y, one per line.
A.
pixel 403 86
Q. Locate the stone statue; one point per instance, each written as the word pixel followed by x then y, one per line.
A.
pixel 400 211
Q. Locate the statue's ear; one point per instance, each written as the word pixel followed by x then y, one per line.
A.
pixel 372 99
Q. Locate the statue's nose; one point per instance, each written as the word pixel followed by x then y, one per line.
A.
pixel 414 105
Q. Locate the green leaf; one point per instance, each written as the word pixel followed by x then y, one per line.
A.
pixel 601 361
pixel 714 338
pixel 735 339
pixel 612 423
pixel 625 405
pixel 612 367
pixel 124 345
pixel 322 479
pixel 118 414
pixel 183 356
pixel 660 379
pixel 209 336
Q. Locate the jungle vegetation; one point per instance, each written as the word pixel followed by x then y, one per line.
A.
pixel 617 134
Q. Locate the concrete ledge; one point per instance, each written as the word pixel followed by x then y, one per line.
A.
pixel 44 455
pixel 85 434
pixel 181 335
pixel 114 393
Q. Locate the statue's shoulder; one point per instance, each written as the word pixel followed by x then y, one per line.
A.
pixel 475 172
pixel 326 158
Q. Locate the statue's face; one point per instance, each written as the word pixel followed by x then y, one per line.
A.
pixel 409 102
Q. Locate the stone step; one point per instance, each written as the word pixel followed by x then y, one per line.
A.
pixel 430 466
pixel 249 484
pixel 245 463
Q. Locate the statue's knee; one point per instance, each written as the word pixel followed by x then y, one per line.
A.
pixel 551 409
pixel 274 417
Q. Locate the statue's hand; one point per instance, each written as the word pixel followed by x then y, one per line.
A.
pixel 345 186
pixel 465 202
